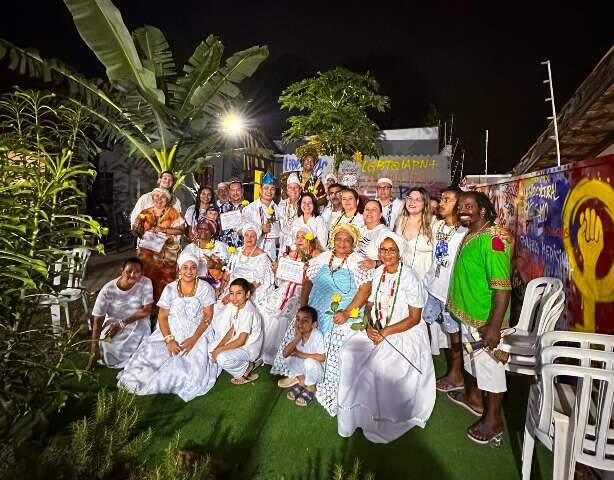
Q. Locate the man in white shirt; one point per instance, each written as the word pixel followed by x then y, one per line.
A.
pixel 221 193
pixel 331 211
pixel 265 212
pixel 448 235
pixel 166 181
pixel 288 211
pixel 391 207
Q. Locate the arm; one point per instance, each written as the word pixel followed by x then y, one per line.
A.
pixel 320 357
pixel 237 343
pixel 144 311
pixel 189 342
pixel 307 286
pixel 361 297
pixel 377 336
pixel 291 347
pixel 491 331
pixel 172 346
pixel 97 322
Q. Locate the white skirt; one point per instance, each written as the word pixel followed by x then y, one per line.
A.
pixel 116 352
pixel 379 391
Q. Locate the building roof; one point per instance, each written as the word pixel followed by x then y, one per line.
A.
pixel 585 123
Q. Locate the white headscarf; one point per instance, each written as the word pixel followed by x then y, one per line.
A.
pixel 254 227
pixel 395 238
pixel 186 257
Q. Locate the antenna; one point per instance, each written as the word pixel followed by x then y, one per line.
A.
pixel 553 117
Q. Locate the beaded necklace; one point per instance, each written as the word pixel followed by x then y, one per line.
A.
pixel 394 292
pixel 335 270
pixel 192 293
pixel 442 245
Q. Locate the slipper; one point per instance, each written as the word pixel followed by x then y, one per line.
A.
pixel 459 399
pixel 492 437
pixel 243 380
pixel 445 385
pixel 294 392
pixel 257 364
pixel 305 398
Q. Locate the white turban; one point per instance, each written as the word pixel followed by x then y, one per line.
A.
pixel 395 238
pixel 254 227
pixel 186 257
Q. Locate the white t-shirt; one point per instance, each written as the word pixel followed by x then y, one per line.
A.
pixel 368 242
pixel 314 344
pixel 249 321
pixel 437 285
pixel 146 201
pixel 115 304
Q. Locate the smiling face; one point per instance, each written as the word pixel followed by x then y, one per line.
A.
pixel 389 254
pixel 414 203
pixel 206 196
pixel 235 192
pixel 294 191
pixel 372 214
pixel 308 162
pixel 344 244
pixel 166 180
pixel 160 201
pixel 188 271
pixel 249 238
pixel 300 240
pixel 469 211
pixel 307 206
pixel 348 202
pixel 267 193
pixel 130 274
pixel 238 296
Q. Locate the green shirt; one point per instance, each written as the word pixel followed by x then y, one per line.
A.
pixel 482 265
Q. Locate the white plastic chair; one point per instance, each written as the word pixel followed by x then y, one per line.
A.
pixel 71 267
pixel 552 414
pixel 579 340
pixel 542 307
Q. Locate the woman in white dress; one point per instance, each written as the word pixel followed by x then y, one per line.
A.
pixel 121 316
pixel 414 225
pixel 387 382
pixel 279 311
pixel 349 206
pixel 175 358
pixel 374 227
pixel 308 216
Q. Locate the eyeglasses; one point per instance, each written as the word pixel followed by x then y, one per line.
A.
pixel 388 250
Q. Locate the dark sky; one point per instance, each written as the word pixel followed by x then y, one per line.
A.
pixel 478 61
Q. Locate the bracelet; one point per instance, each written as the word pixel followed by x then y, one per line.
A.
pixel 168 339
pixel 122 324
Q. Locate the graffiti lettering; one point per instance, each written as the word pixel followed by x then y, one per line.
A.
pixel 540 190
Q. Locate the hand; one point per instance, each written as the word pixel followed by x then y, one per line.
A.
pixel 187 345
pixel 490 335
pixel 274 268
pixel 590 240
pixel 367 264
pixel 173 348
pixel 298 354
pixel 341 317
pixel 94 356
pixel 113 329
pixel 226 299
pixel 266 228
pixel 214 353
pixel 375 336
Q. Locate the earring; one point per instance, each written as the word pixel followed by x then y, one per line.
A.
pixel 180 276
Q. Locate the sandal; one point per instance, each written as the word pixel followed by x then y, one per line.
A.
pixel 244 379
pixel 489 436
pixel 460 399
pixel 445 385
pixel 294 392
pixel 257 364
pixel 305 398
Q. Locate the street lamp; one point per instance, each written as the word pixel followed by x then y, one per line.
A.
pixel 233 124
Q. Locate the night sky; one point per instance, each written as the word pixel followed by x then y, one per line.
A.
pixel 480 62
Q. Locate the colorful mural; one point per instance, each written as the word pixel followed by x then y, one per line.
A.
pixel 563 222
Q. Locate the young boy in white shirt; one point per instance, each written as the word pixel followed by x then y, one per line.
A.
pixel 304 357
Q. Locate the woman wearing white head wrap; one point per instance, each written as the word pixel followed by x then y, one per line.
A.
pixel 396 341
pixel 175 358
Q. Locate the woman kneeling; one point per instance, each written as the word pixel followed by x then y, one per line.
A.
pixel 393 357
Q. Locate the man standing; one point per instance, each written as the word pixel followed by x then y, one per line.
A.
pixel 264 212
pixel 333 209
pixel 447 237
pixel 390 207
pixel 221 194
pixel 166 180
pixel 288 210
pixel 479 298
pixel 235 202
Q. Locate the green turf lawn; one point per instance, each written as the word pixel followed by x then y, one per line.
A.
pixel 259 434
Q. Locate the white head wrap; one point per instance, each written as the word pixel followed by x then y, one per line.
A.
pixel 254 227
pixel 396 238
pixel 186 257
pixel 293 178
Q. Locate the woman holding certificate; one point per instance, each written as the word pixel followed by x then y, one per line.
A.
pixel 280 308
pixel 159 229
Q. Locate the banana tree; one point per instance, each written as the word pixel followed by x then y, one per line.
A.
pixel 167 117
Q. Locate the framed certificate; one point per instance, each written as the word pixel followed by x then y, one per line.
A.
pixel 231 220
pixel 290 270
pixel 153 241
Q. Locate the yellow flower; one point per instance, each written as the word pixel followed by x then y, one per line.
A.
pixel 141 216
pixel 336 297
pixel 355 312
pixel 245 203
pixel 309 236
pixel 210 245
pixel 313 190
pixel 270 211
pixel 232 250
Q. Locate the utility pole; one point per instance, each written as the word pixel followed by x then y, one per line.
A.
pixel 486 154
pixel 553 117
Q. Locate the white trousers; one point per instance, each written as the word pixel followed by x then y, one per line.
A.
pixel 488 372
pixel 311 369
pixel 234 361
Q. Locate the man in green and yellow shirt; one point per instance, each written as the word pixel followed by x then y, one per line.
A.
pixel 479 298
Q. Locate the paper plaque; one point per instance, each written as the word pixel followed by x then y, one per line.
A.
pixel 231 220
pixel 153 241
pixel 290 270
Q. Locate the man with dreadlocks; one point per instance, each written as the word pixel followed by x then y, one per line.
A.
pixel 479 298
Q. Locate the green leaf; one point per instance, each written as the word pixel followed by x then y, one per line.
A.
pixel 155 52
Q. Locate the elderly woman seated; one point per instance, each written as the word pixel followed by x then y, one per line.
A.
pixel 175 358
pixel 159 229
pixel 121 316
pixel 391 354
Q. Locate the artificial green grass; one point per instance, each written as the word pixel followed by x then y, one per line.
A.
pixel 259 434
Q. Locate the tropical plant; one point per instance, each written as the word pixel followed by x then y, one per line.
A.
pixel 333 112
pixel 169 118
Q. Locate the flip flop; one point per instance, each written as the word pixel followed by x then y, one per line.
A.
pixel 459 399
pixel 305 398
pixel 243 380
pixel 448 385
pixel 294 392
pixel 493 438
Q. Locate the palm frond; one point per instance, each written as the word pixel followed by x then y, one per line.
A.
pixel 155 52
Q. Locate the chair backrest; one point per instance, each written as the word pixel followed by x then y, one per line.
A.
pixel 583 357
pixel 77 261
pixel 595 341
pixel 550 310
pixel 536 292
pixel 590 420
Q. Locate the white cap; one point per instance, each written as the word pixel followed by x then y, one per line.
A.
pixel 293 178
pixel 385 180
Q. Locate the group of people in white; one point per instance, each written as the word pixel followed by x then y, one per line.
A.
pixel 356 333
